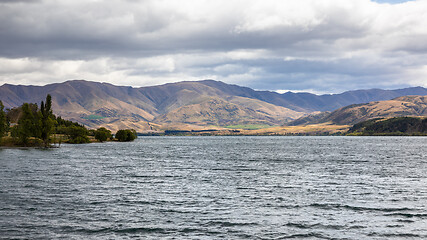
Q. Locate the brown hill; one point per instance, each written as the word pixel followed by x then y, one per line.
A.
pixel 398 107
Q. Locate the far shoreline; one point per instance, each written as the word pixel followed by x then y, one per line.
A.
pixel 210 136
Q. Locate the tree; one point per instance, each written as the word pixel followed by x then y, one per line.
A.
pixel 4 125
pixel 121 135
pixel 27 125
pixel 46 120
pixel 126 135
pixel 102 134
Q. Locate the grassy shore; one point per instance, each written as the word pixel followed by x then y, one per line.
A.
pixel 245 130
pixel 56 140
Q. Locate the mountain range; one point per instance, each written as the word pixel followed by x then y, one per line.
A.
pixel 192 105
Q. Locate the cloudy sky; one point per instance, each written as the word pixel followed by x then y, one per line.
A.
pixel 320 46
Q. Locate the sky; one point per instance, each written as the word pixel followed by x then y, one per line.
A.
pixel 318 46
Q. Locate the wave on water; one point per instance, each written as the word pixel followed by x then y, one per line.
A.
pixel 359 208
pixel 229 224
pixel 304 235
pixel 314 226
pixel 397 235
pixel 408 215
pixel 134 230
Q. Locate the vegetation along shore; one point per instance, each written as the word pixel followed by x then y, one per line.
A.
pixel 31 126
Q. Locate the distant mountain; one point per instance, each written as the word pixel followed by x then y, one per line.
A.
pixel 352 114
pixel 307 102
pixel 331 102
pixel 201 103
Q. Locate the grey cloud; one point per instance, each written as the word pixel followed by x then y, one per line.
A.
pixel 109 29
pixel 325 76
pixel 317 39
pixel 19 1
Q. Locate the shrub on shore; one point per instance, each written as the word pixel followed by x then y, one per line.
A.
pixel 126 135
pixel 102 134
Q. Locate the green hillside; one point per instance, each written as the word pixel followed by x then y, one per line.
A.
pixel 392 126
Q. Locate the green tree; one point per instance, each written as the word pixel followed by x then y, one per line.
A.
pixel 121 135
pixel 4 125
pixel 102 134
pixel 46 120
pixel 27 125
pixel 126 135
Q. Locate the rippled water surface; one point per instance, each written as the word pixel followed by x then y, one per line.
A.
pixel 218 188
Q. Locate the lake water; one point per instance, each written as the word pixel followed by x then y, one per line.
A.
pixel 218 188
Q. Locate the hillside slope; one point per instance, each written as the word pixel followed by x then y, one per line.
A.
pixel 391 126
pixel 398 107
pixel 218 112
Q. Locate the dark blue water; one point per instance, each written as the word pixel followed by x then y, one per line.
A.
pixel 218 188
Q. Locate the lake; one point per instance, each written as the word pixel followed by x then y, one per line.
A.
pixel 218 188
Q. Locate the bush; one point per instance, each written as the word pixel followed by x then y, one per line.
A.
pixel 126 135
pixel 102 134
pixel 79 140
pixel 76 134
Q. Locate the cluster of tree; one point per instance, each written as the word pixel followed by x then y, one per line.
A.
pixel 31 123
pixel 32 126
pixel 391 126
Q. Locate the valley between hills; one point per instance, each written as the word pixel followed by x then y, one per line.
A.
pixel 206 105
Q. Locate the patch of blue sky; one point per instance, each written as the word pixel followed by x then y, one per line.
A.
pixel 392 1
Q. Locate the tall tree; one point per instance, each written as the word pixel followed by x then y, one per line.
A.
pixel 47 120
pixel 27 125
pixel 3 121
